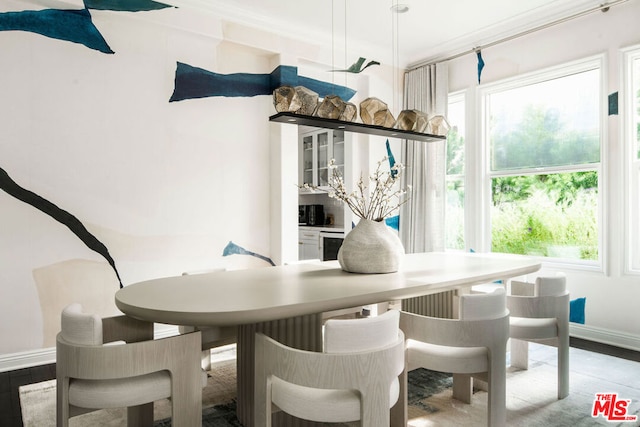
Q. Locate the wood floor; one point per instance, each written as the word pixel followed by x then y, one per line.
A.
pixel 10 415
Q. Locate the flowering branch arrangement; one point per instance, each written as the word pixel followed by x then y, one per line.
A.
pixel 376 205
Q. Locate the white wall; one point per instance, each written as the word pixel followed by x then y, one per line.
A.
pixel 611 295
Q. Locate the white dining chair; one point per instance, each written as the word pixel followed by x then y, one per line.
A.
pixel 133 371
pixel 540 313
pixel 354 378
pixel 212 336
pixel 473 346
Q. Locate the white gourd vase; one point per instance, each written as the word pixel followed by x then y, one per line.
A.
pixel 371 247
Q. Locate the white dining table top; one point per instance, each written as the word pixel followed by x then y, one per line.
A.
pixel 238 297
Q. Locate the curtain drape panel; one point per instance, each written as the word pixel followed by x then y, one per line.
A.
pixel 422 218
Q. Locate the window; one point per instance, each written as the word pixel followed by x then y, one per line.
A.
pixel 454 216
pixel 542 140
pixel 632 140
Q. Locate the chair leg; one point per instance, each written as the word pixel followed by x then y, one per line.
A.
pixel 399 414
pixel 497 396
pixel 563 366
pixel 141 415
pixel 62 400
pixel 519 354
pixel 462 387
pixel 206 360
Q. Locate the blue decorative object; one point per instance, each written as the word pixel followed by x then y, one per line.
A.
pixel 393 222
pixel 69 25
pixel 233 249
pixel 576 310
pixel 125 5
pixel 63 217
pixel 357 67
pixel 193 82
pixel 480 64
pixel 392 160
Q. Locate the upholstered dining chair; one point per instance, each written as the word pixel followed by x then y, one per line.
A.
pixel 212 336
pixel 540 313
pixel 472 346
pixel 132 372
pixel 354 378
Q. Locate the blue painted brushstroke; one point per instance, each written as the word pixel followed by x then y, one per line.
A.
pixel 63 217
pixel 193 82
pixel 393 222
pixel 480 64
pixel 125 5
pixel 357 67
pixel 68 25
pixel 392 160
pixel 233 249
pixel 576 310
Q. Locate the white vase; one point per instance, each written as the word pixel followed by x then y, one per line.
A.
pixel 371 247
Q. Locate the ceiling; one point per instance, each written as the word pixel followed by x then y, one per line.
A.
pixel 430 30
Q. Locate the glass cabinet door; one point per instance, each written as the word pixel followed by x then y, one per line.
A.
pixel 323 159
pixel 337 151
pixel 307 160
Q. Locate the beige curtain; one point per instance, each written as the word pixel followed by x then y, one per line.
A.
pixel 422 218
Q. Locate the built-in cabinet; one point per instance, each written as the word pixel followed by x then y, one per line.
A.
pixel 317 148
pixel 308 244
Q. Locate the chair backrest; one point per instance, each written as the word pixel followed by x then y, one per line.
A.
pixel 543 286
pixel 549 286
pixel 352 335
pixel 482 306
pixel 80 328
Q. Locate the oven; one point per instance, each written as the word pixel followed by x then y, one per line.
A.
pixel 330 242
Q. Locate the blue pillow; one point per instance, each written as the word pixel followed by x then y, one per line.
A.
pixel 576 310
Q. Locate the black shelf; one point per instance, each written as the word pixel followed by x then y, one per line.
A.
pixel 321 122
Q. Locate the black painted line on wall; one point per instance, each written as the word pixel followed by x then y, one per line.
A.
pixel 12 188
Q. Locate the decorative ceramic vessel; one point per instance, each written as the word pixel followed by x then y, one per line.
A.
pixel 371 247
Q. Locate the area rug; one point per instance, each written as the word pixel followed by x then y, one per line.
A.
pixel 531 396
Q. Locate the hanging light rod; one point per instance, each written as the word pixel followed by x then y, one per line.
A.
pixel 603 7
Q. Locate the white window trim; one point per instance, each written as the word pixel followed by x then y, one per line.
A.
pixel 462 96
pixel 631 161
pixel 483 221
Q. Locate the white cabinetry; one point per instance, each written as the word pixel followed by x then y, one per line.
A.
pixel 317 148
pixel 308 244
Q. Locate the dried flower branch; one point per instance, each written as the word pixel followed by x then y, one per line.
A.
pixel 383 200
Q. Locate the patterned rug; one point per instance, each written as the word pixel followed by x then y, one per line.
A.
pixel 531 396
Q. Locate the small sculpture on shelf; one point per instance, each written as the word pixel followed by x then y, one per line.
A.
pixel 331 107
pixel 285 98
pixel 438 125
pixel 375 112
pixel 413 120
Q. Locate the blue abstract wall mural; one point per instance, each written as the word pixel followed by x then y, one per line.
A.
pixel 125 5
pixel 193 82
pixel 68 25
pixel 357 67
pixel 394 221
pixel 74 25
pixel 233 249
pixel 13 189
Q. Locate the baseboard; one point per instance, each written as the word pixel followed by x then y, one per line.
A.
pixel 45 356
pixel 605 336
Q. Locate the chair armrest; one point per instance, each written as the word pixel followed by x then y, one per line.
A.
pixel 105 362
pixel 127 329
pixel 539 307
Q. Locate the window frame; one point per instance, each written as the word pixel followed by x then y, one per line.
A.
pixel 632 161
pixel 454 97
pixel 559 71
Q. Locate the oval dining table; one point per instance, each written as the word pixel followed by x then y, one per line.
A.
pixel 286 302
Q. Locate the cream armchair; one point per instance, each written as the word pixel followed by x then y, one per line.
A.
pixel 355 378
pixel 473 346
pixel 540 313
pixel 93 375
